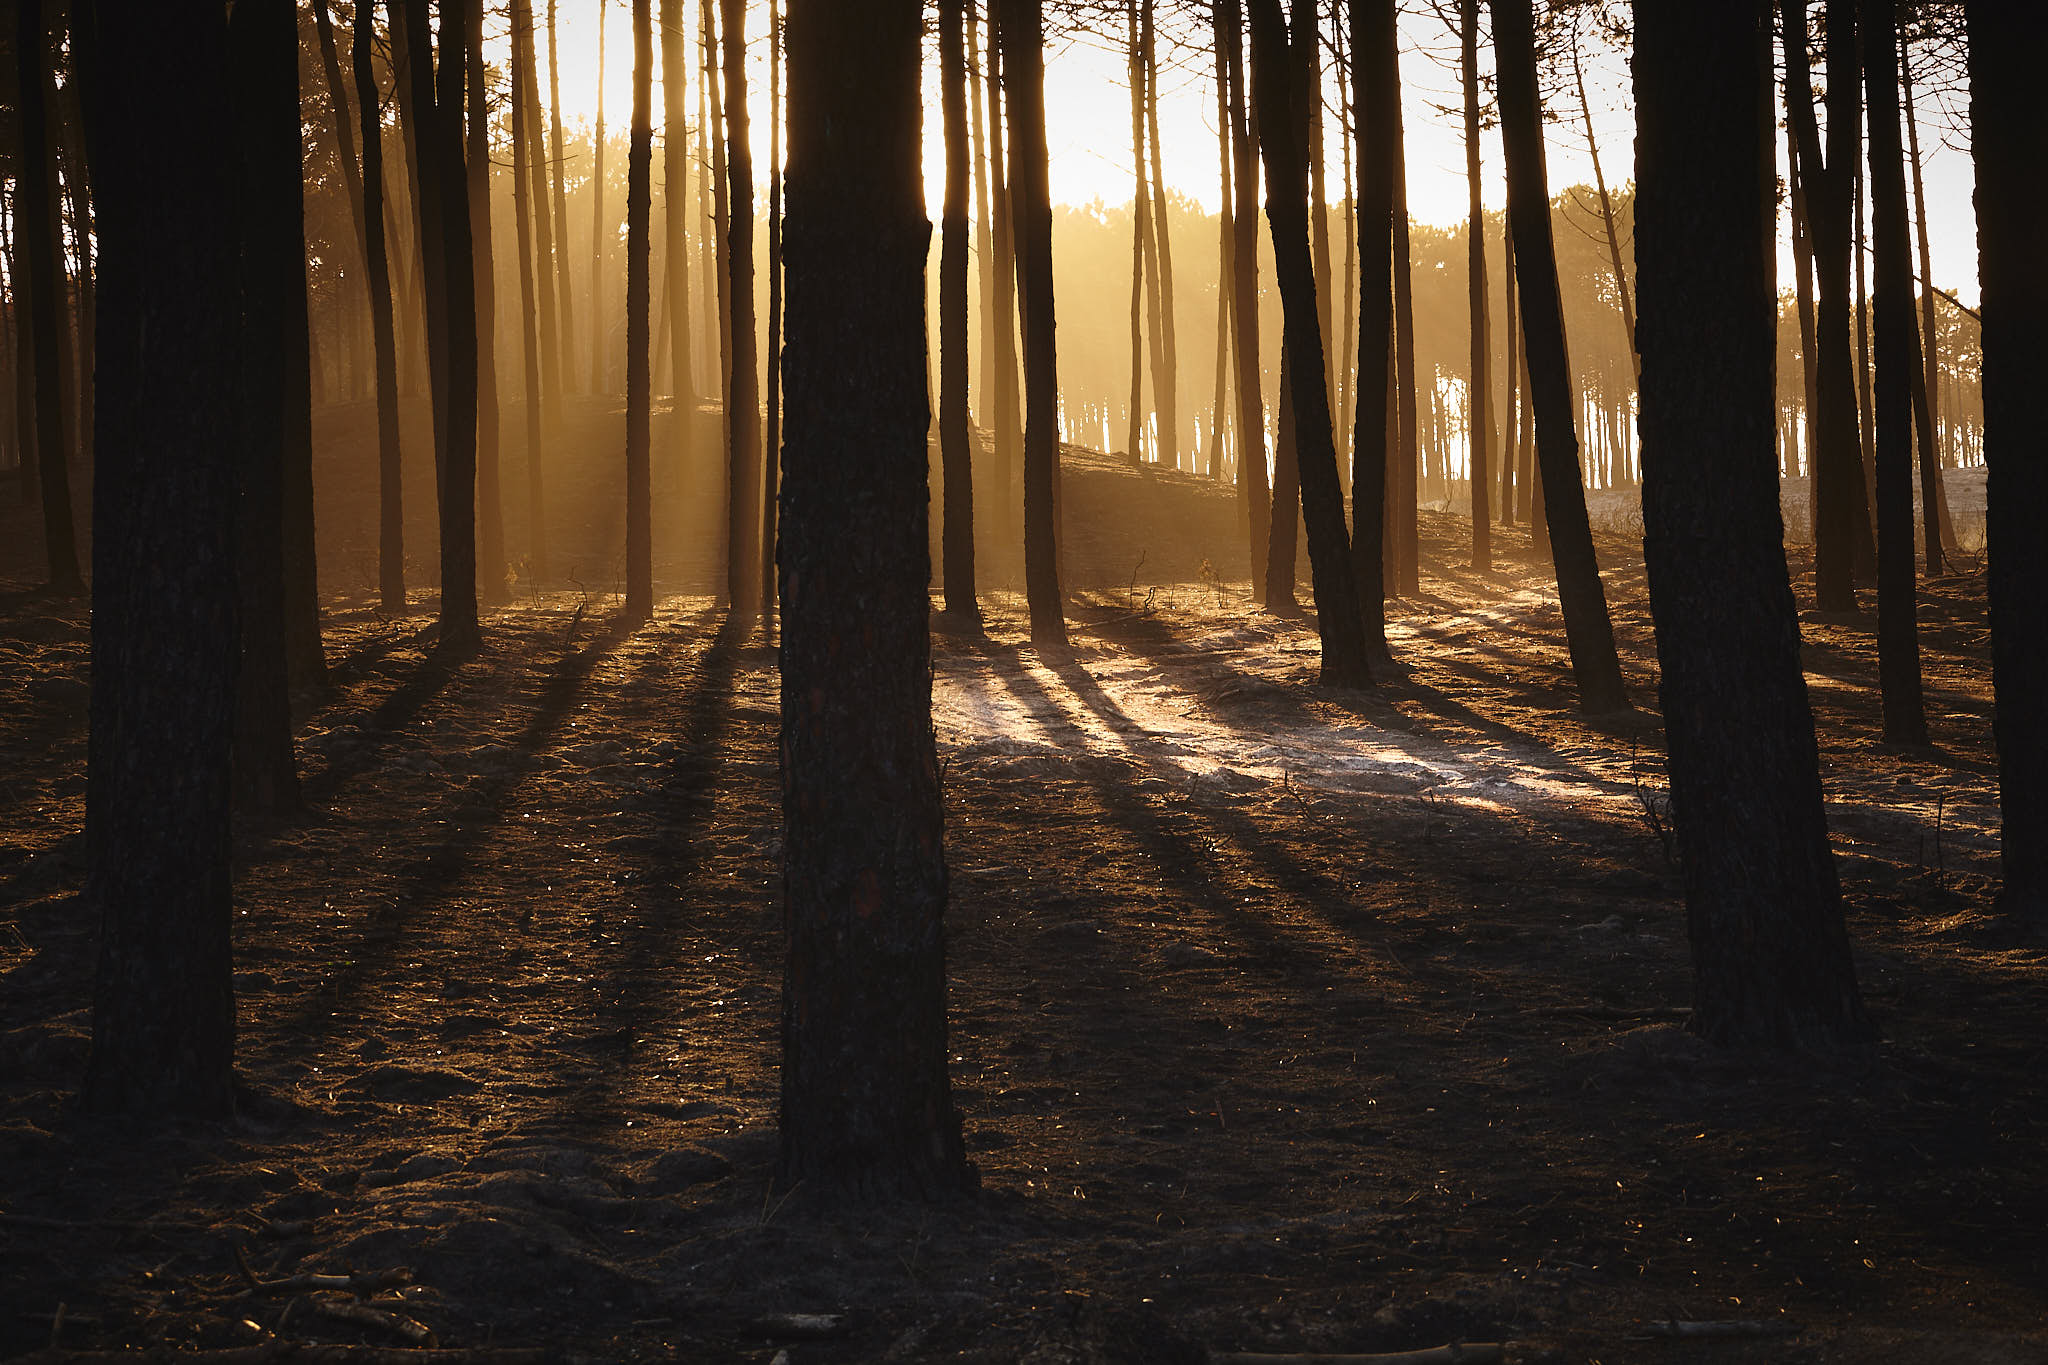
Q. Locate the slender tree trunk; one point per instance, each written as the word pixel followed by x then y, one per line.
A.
pixel 1009 430
pixel 2009 141
pixel 1375 90
pixel 1022 36
pixel 1134 418
pixel 954 434
pixel 1283 119
pixel 866 1111
pixel 1866 548
pixel 1407 533
pixel 344 132
pixel 489 416
pixel 639 377
pixel 743 397
pixel 1347 317
pixel 1898 361
pixel 544 257
pixel 1254 502
pixel 1166 378
pixel 710 241
pixel 1480 383
pixel 1802 275
pixel 1588 629
pixel 771 452
pixel 1319 215
pixel 721 229
pixel 164 645
pixel 1511 492
pixel 35 220
pixel 1226 249
pixel 567 346
pixel 1771 964
pixel 1628 312
pixel 1281 537
pixel 1940 533
pixel 984 246
pixel 524 176
pixel 675 206
pixel 390 470
pixel 599 371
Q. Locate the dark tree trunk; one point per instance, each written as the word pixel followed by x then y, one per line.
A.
pixel 598 369
pixel 390 480
pixel 164 639
pixel 1588 630
pixel 955 451
pixel 1166 379
pixel 536 311
pixel 1771 965
pixel 743 394
pixel 1404 529
pixel 2009 139
pixel 1826 187
pixel 1226 252
pixel 1375 91
pixel 1134 417
pixel 344 131
pixel 1021 29
pixel 1283 119
pixel 263 54
pixel 1255 502
pixel 35 218
pixel 477 157
pixel 1802 276
pixel 866 1107
pixel 1281 538
pixel 1512 491
pixel 1898 361
pixel 771 449
pixel 1939 533
pixel 639 381
pixel 675 205
pixel 567 347
pixel 1480 383
pixel 1008 442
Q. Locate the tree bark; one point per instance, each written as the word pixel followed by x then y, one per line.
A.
pixel 567 315
pixel 954 435
pixel 2009 140
pixel 866 1111
pixel 1134 417
pixel 1375 91
pixel 598 369
pixel 1939 534
pixel 1283 119
pixel 743 396
pixel 1511 492
pixel 1404 529
pixel 1254 500
pixel 1898 361
pixel 771 449
pixel 1802 275
pixel 639 379
pixel 1771 964
pixel 164 639
pixel 1480 382
pixel 42 253
pixel 536 279
pixel 675 205
pixel 1226 248
pixel 1166 379
pixel 1021 32
pixel 1588 629
pixel 489 416
pixel 390 475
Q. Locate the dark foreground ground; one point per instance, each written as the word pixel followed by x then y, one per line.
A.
pixel 1283 1019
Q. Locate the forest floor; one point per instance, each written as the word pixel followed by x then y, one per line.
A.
pixel 1283 1018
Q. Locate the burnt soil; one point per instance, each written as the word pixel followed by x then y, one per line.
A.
pixel 1266 1051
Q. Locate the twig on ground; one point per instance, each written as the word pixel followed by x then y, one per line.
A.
pixel 365 1315
pixel 362 1284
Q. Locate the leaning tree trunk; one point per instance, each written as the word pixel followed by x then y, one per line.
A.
pixel 743 394
pixel 1588 629
pixel 1480 382
pixel 390 470
pixel 639 381
pixel 1283 120
pixel 2009 140
pixel 956 456
pixel 1771 965
pixel 1898 360
pixel 1374 93
pixel 163 644
pixel 866 1110
pixel 1021 32
pixel 43 254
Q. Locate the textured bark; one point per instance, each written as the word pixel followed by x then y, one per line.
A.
pixel 1021 25
pixel 477 159
pixel 1898 361
pixel 1512 491
pixel 675 206
pixel 1283 118
pixel 1588 629
pixel 1374 92
pixel 164 599
pixel 639 380
pixel 536 312
pixel 2009 140
pixel 390 479
pixel 956 455
pixel 35 218
pixel 1479 381
pixel 1771 964
pixel 866 1110
pixel 1255 501
pixel 771 448
pixel 743 391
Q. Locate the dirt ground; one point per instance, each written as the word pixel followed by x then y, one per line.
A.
pixel 1284 1019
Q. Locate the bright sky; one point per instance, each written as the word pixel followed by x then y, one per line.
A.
pixel 1088 117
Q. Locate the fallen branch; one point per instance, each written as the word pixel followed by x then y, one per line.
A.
pixel 364 1315
pixel 1457 1353
pixel 362 1284
pixel 1729 1330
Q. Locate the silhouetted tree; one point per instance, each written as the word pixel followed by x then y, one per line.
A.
pixel 1254 501
pixel 639 382
pixel 1021 31
pixel 743 393
pixel 1166 374
pixel 536 312
pixel 164 586
pixel 957 528
pixel 1480 382
pixel 1898 361
pixel 771 447
pixel 1374 93
pixel 35 218
pixel 1588 630
pixel 390 478
pixel 477 156
pixel 2009 139
pixel 567 313
pixel 1276 70
pixel 597 222
pixel 675 204
pixel 1771 963
pixel 866 1107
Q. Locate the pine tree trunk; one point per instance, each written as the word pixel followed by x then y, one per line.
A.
pixel 1255 503
pixel 1802 277
pixel 866 1112
pixel 771 450
pixel 42 253
pixel 599 371
pixel 1588 629
pixel 743 396
pixel 1134 417
pixel 1480 383
pixel 1374 92
pixel 1009 432
pixel 1166 377
pixel 2009 141
pixel 1226 247
pixel 675 206
pixel 1281 538
pixel 567 345
pixel 984 245
pixel 1511 489
pixel 954 434
pixel 164 646
pixel 390 475
pixel 639 377
pixel 490 508
pixel 1407 535
pixel 524 176
pixel 1940 533
pixel 1898 361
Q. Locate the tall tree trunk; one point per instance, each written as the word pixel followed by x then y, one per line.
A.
pixel 490 505
pixel 1898 361
pixel 1226 248
pixel 1480 383
pixel 1407 533
pixel 1134 418
pixel 1021 32
pixel 1628 312
pixel 2009 140
pixel 771 451
pixel 390 470
pixel 164 645
pixel 866 1111
pixel 1940 533
pixel 1828 189
pixel 1347 316
pixel 599 371
pixel 1375 91
pixel 721 217
pixel 1771 965
pixel 1009 417
pixel 1166 378
pixel 1283 119
pixel 710 240
pixel 1802 275
pixel 984 245
pixel 1319 215
pixel 35 218
pixel 675 206
pixel 743 396
pixel 954 435
pixel 1588 629
pixel 567 346
pixel 1255 504
pixel 344 131
pixel 639 378
pixel 1511 491
pixel 544 261
pixel 1281 538
pixel 1866 547
pixel 524 176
